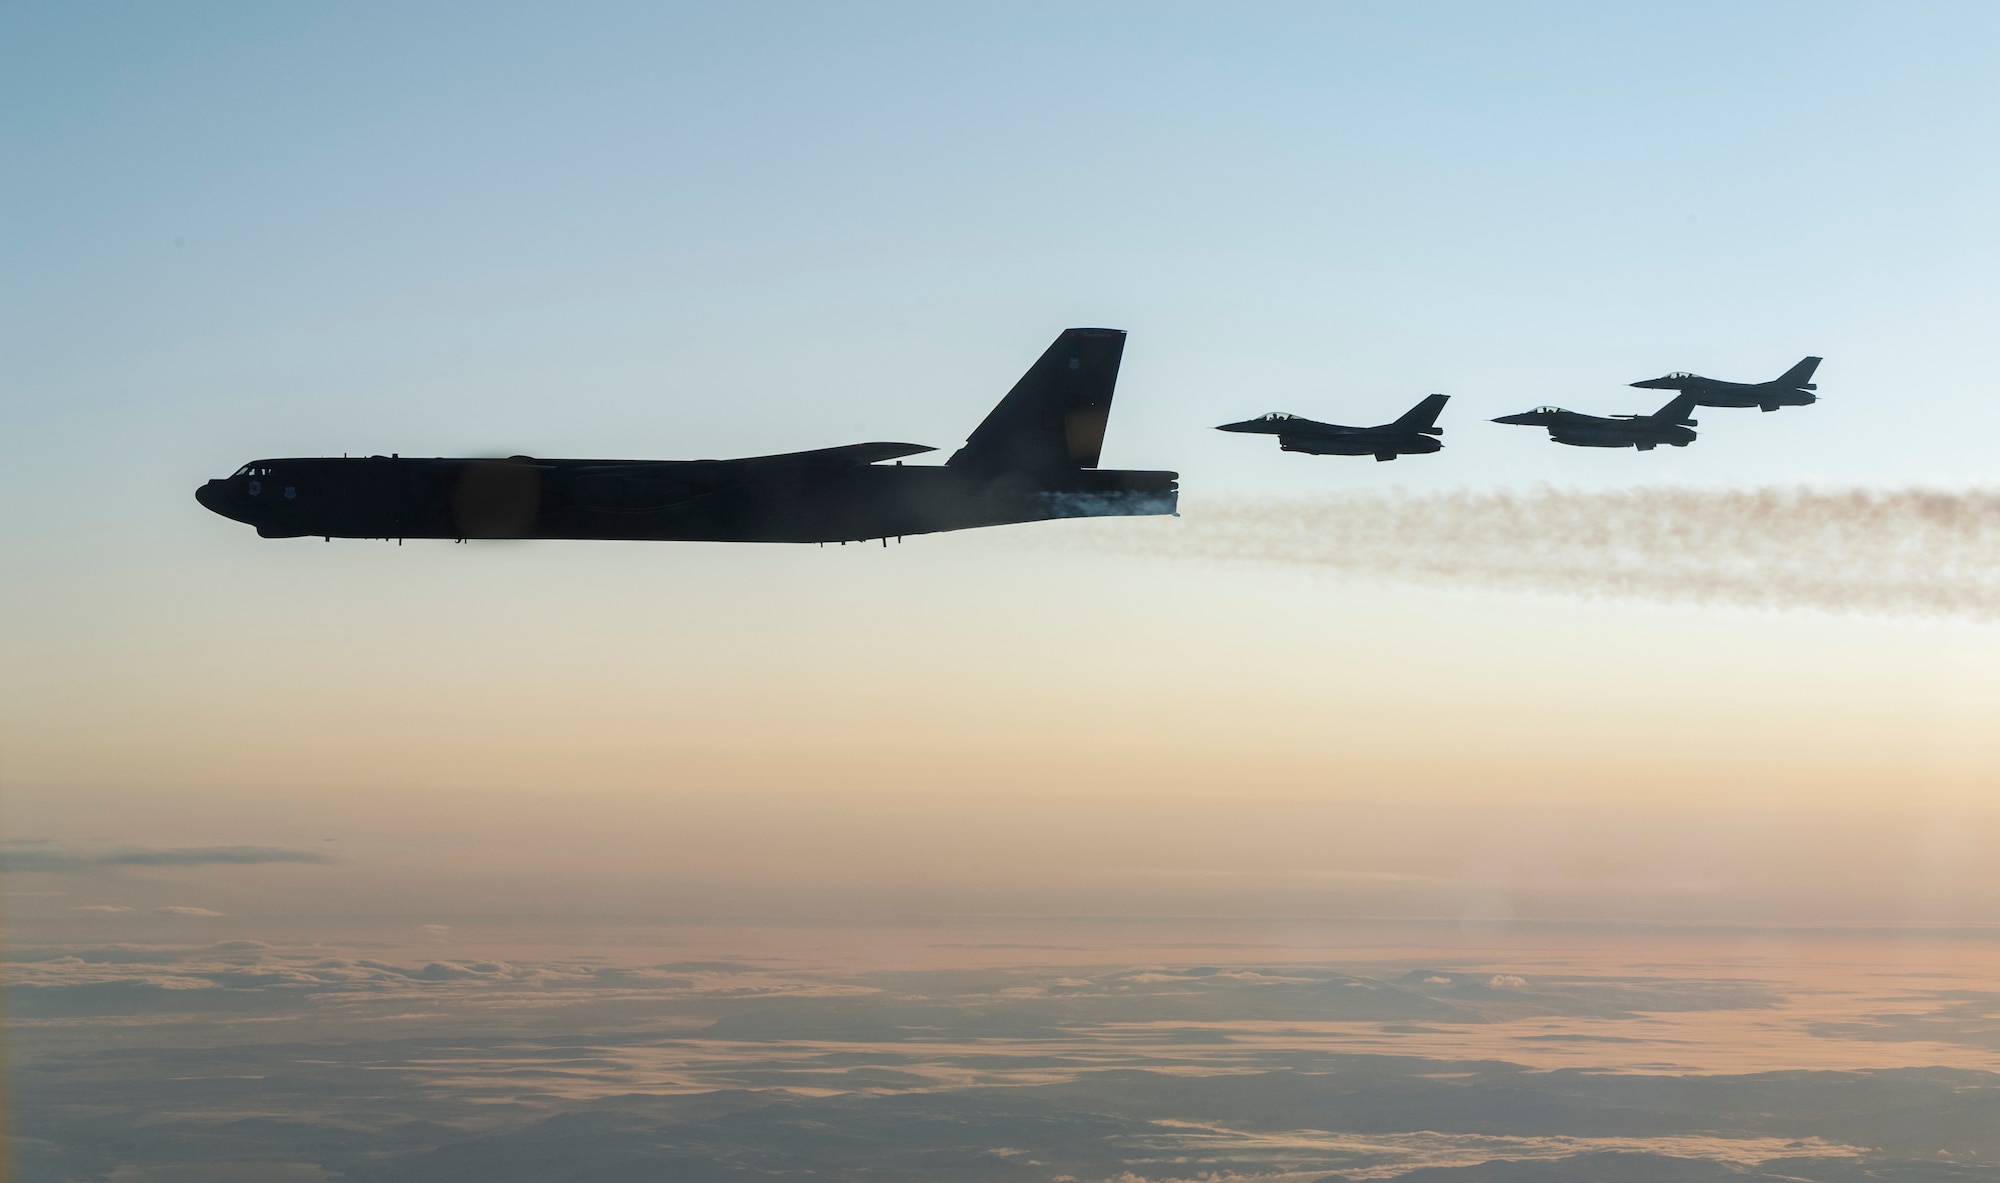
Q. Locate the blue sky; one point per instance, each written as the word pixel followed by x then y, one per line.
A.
pixel 237 231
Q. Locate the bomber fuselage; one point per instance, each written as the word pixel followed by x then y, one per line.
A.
pixel 768 499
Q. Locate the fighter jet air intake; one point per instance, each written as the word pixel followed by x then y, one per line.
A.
pixel 1416 431
pixel 1033 458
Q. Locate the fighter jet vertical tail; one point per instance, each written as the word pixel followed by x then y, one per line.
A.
pixel 1424 416
pixel 1054 417
pixel 1677 411
pixel 1799 377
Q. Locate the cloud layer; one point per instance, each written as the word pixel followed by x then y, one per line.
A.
pixel 1900 552
pixel 381 1065
pixel 18 856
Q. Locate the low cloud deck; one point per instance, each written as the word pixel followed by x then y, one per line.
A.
pixel 422 1053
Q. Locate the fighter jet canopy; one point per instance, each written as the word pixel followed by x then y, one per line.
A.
pixel 1274 423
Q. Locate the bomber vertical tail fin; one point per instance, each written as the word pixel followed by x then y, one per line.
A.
pixel 1054 417
pixel 1424 416
pixel 1799 377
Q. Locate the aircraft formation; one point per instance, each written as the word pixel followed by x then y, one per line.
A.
pixel 1669 425
pixel 1033 458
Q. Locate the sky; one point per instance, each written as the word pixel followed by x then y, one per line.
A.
pixel 1332 690
pixel 688 231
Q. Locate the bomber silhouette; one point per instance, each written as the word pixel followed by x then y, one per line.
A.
pixel 1793 388
pixel 1668 425
pixel 1414 432
pixel 1033 458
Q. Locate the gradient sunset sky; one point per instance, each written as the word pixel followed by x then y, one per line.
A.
pixel 232 232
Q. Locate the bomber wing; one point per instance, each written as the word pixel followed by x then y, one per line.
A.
pixel 841 457
pixel 656 484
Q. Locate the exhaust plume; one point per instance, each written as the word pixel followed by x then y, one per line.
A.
pixel 1895 552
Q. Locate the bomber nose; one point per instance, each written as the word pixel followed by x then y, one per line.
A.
pixel 210 496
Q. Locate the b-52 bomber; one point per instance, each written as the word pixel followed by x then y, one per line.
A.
pixel 1793 388
pixel 1668 425
pixel 1033 458
pixel 1415 432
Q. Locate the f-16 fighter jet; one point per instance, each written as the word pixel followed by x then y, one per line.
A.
pixel 1414 432
pixel 1668 425
pixel 1793 388
pixel 1034 457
